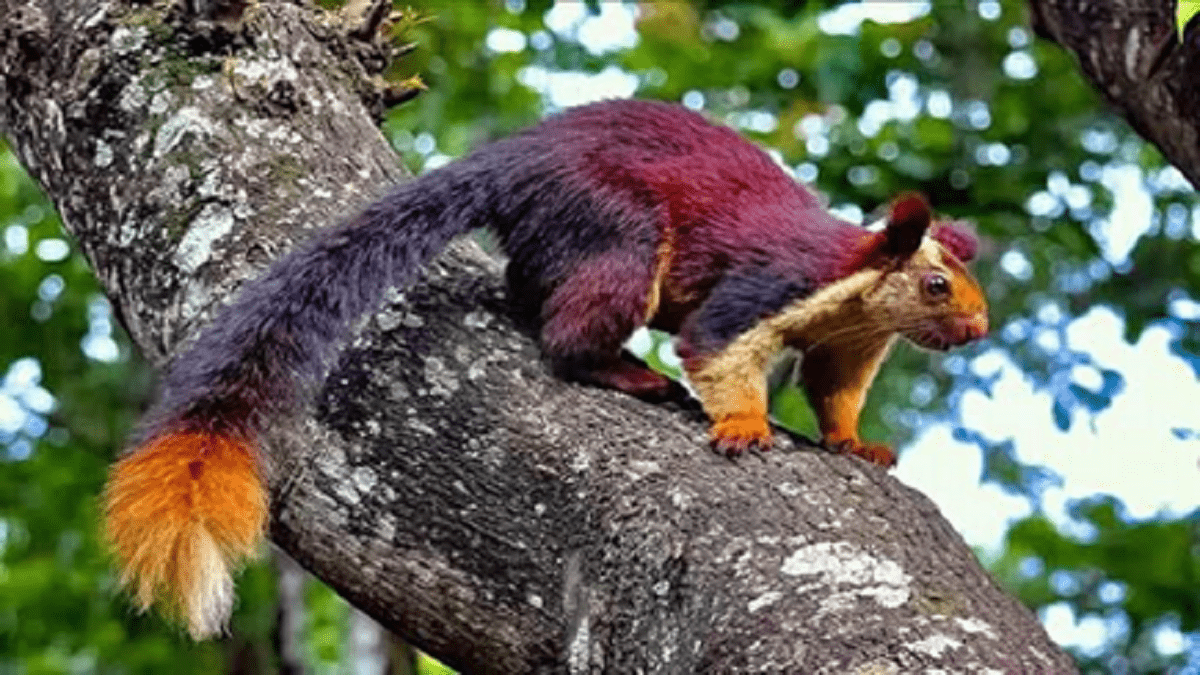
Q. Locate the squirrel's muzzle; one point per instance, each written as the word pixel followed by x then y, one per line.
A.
pixel 970 328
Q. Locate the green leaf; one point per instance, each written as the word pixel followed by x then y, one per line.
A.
pixel 427 665
pixel 1184 13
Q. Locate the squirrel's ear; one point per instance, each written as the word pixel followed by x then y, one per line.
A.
pixel 906 225
pixel 957 239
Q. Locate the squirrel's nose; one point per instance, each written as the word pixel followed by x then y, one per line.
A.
pixel 971 328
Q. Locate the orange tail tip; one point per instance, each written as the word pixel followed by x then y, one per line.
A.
pixel 180 513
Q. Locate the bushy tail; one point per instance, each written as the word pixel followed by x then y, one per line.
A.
pixel 181 511
pixel 189 501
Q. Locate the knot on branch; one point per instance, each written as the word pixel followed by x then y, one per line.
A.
pixel 375 36
pixel 210 27
pixel 227 12
pixel 24 39
pixel 28 31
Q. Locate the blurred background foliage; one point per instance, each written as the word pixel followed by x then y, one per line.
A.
pixel 1084 228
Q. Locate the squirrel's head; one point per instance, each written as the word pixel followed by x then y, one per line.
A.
pixel 925 292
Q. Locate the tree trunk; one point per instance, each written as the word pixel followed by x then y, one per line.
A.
pixel 443 481
pixel 1131 51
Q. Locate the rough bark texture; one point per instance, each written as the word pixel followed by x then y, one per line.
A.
pixel 1131 51
pixel 443 481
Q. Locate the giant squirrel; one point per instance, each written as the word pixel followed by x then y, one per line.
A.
pixel 614 215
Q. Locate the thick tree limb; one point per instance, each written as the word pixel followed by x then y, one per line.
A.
pixel 1131 52
pixel 444 481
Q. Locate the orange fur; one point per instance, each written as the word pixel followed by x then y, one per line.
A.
pixel 837 378
pixel 731 386
pixel 664 257
pixel 181 512
pixel 875 453
pixel 744 429
pixel 968 296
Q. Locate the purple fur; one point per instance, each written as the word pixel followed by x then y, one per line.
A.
pixel 736 303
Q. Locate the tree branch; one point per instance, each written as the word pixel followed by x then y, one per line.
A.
pixel 443 481
pixel 1131 52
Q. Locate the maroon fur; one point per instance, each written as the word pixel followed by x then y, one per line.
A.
pixel 958 240
pixel 909 219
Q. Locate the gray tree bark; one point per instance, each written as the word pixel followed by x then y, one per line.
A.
pixel 443 481
pixel 1131 51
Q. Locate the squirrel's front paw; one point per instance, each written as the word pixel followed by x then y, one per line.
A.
pixel 737 434
pixel 875 453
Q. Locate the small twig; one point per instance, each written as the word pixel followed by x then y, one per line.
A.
pixel 372 20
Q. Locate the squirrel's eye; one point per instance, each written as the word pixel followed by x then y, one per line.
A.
pixel 936 285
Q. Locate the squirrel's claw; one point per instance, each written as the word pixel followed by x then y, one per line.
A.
pixel 734 436
pixel 876 453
